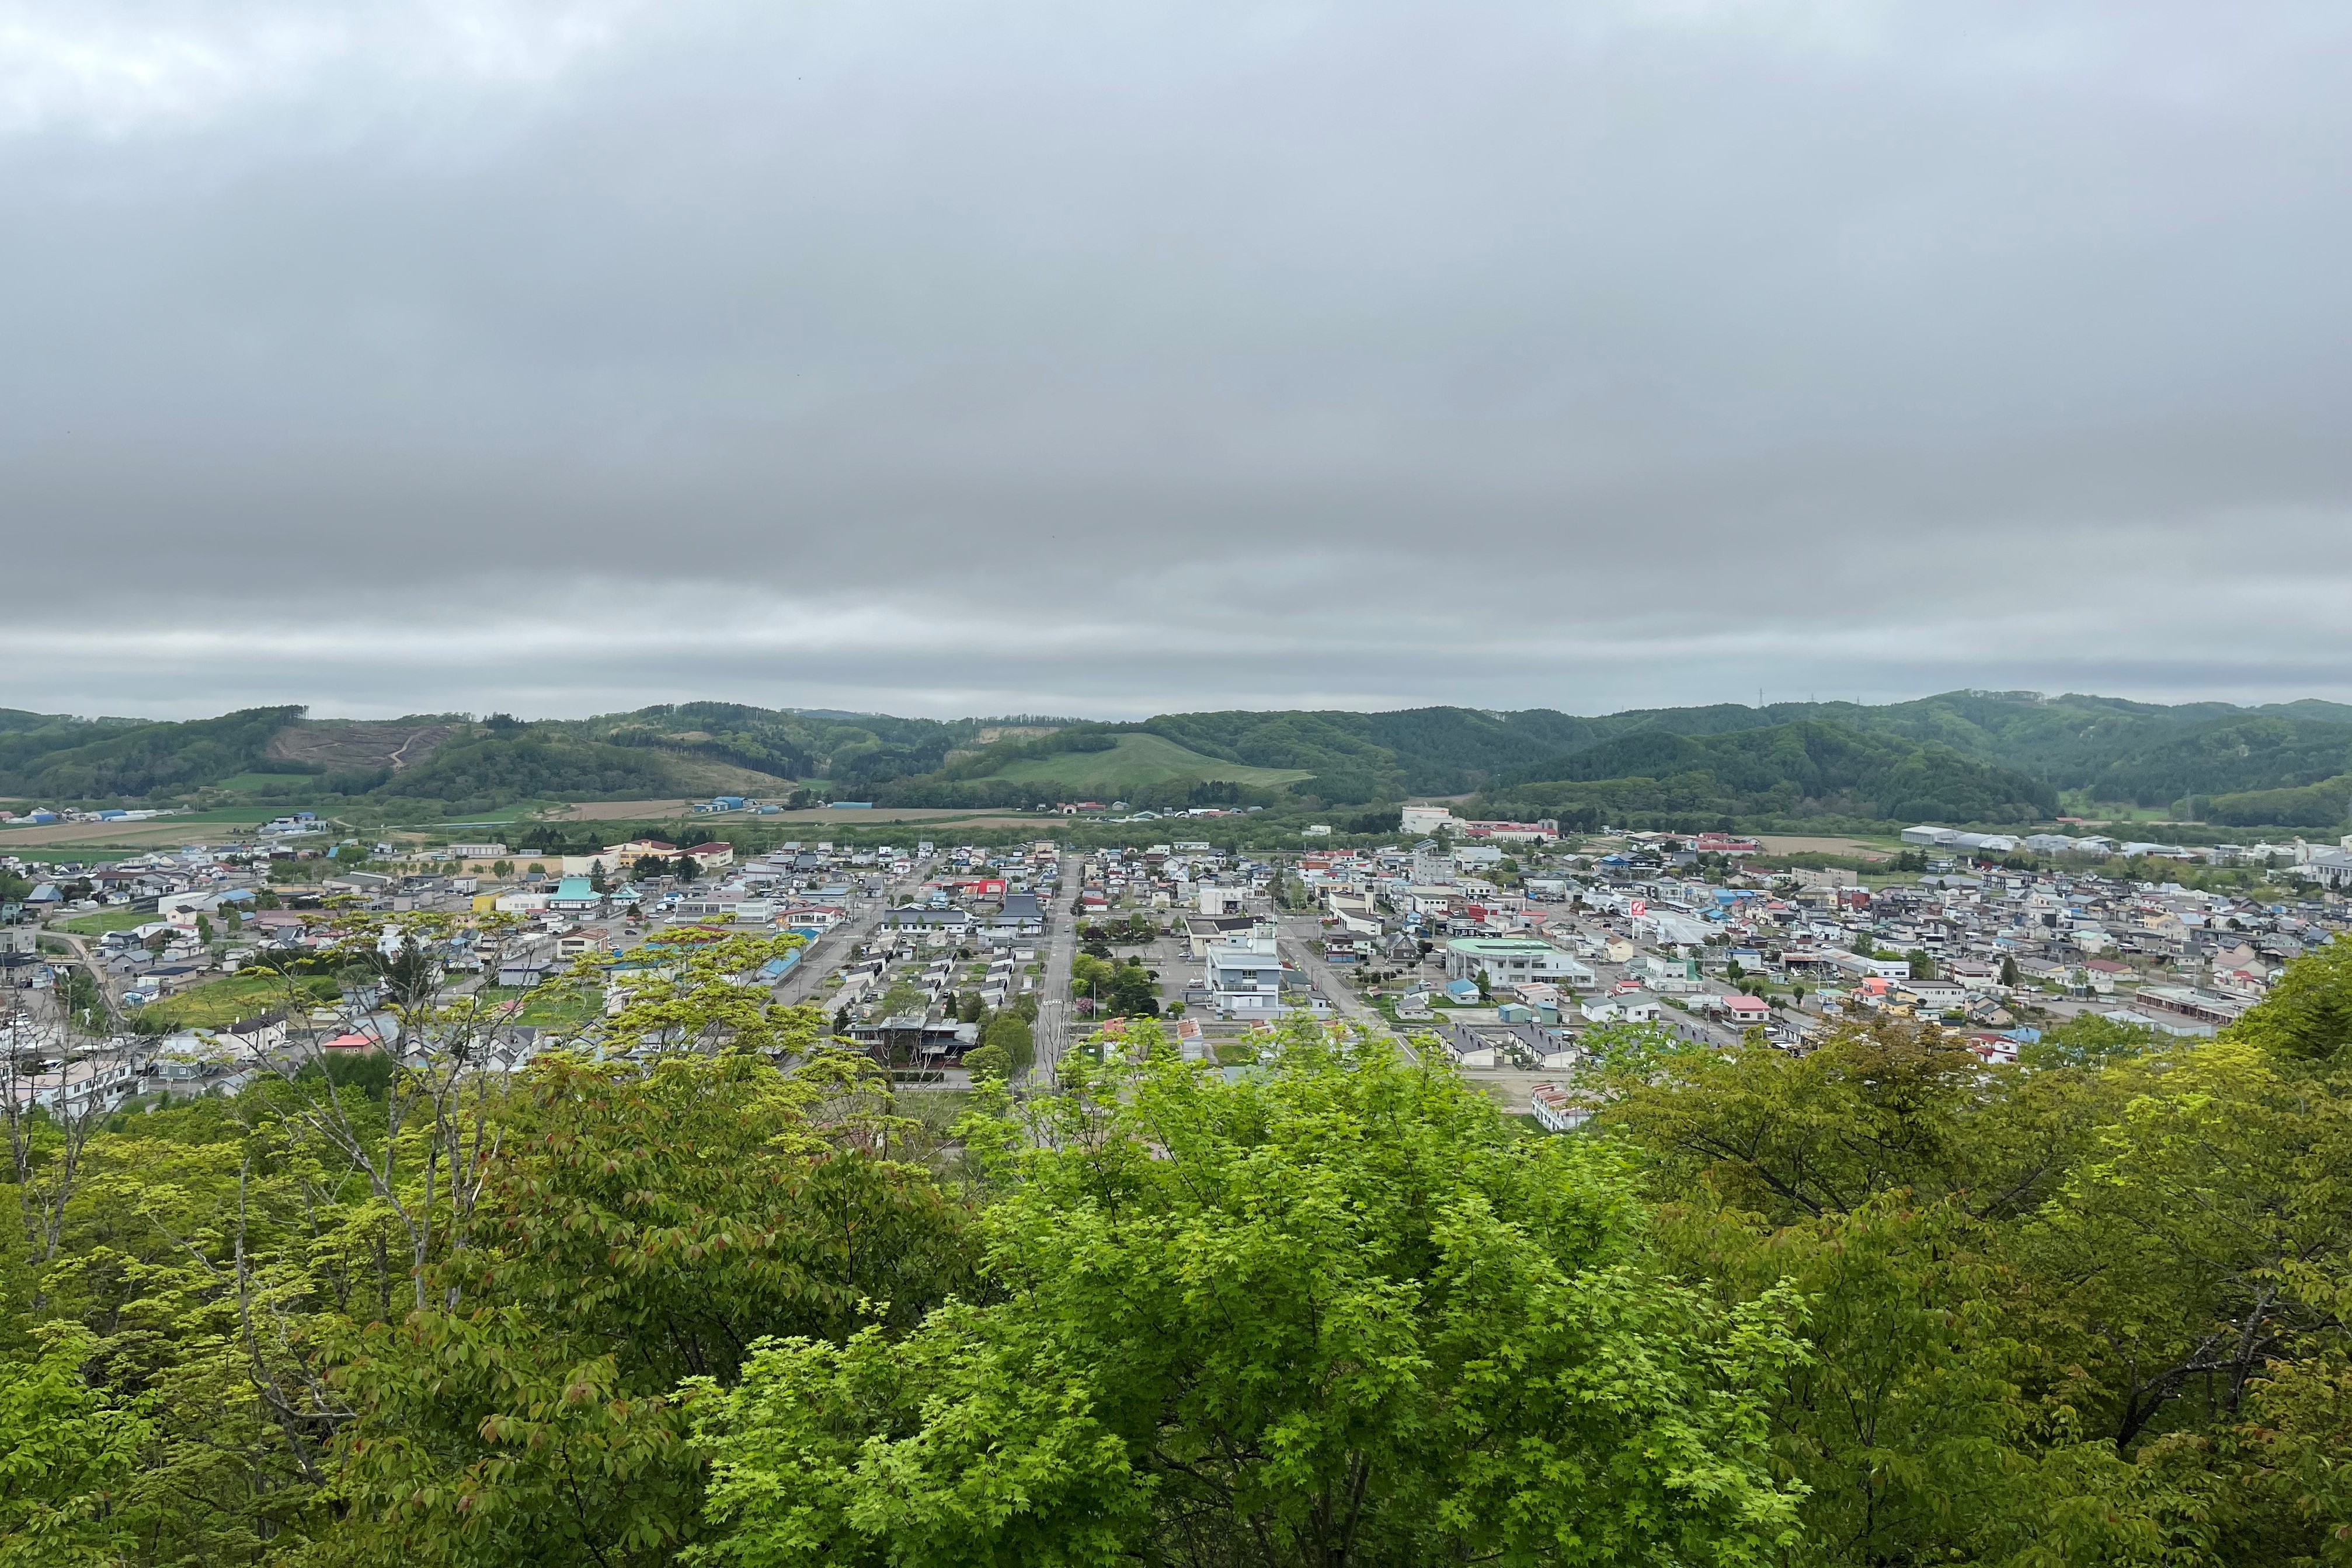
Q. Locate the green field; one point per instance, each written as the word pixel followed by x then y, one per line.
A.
pixel 86 854
pixel 1138 761
pixel 218 1003
pixel 107 920
pixel 552 1006
pixel 252 781
pixel 514 813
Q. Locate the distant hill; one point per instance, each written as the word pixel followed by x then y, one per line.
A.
pixel 2008 756
pixel 1812 768
pixel 106 759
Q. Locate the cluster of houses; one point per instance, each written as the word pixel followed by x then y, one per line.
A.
pixel 971 926
pixel 1964 947
pixel 1549 945
pixel 2330 866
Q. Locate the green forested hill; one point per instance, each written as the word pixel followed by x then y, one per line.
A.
pixel 1808 768
pixel 105 758
pixel 1957 755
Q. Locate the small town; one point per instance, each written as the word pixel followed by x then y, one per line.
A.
pixel 1175 785
pixel 1497 944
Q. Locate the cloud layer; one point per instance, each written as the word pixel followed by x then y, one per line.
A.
pixel 943 357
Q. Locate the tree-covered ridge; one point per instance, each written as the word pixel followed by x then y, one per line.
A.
pixel 1962 756
pixel 107 758
pixel 1809 767
pixel 1959 755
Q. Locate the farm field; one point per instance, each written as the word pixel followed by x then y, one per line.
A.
pixel 659 813
pixel 1137 761
pixel 129 835
pixel 1787 844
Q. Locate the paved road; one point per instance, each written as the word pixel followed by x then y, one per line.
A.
pixel 838 945
pixel 110 985
pixel 1053 1028
pixel 1298 935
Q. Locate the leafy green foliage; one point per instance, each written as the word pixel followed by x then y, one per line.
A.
pixel 644 1229
pixel 2308 1017
pixel 1116 987
pixel 1337 1314
pixel 1009 1032
pixel 67 1451
pixel 987 1061
pixel 2087 1039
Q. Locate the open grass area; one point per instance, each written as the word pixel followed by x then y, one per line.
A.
pixel 246 783
pixel 520 810
pixel 544 1007
pixel 1138 761
pixel 85 853
pixel 107 920
pixel 217 1003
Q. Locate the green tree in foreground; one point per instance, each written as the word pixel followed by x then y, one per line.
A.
pixel 1340 1315
pixel 66 1453
pixel 643 1227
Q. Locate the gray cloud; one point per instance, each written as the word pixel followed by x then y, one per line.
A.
pixel 947 357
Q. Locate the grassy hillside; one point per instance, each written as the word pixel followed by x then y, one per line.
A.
pixel 1134 763
pixel 860 752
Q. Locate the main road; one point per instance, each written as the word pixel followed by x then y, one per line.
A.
pixel 1052 1027
pixel 835 948
pixel 1297 934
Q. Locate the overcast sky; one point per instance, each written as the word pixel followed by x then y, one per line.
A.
pixel 1113 357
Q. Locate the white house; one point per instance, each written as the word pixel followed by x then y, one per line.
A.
pixel 1244 973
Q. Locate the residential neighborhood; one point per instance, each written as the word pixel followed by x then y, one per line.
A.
pixel 1497 944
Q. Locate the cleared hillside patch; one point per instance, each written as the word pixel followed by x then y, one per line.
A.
pixel 359 746
pixel 1138 761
